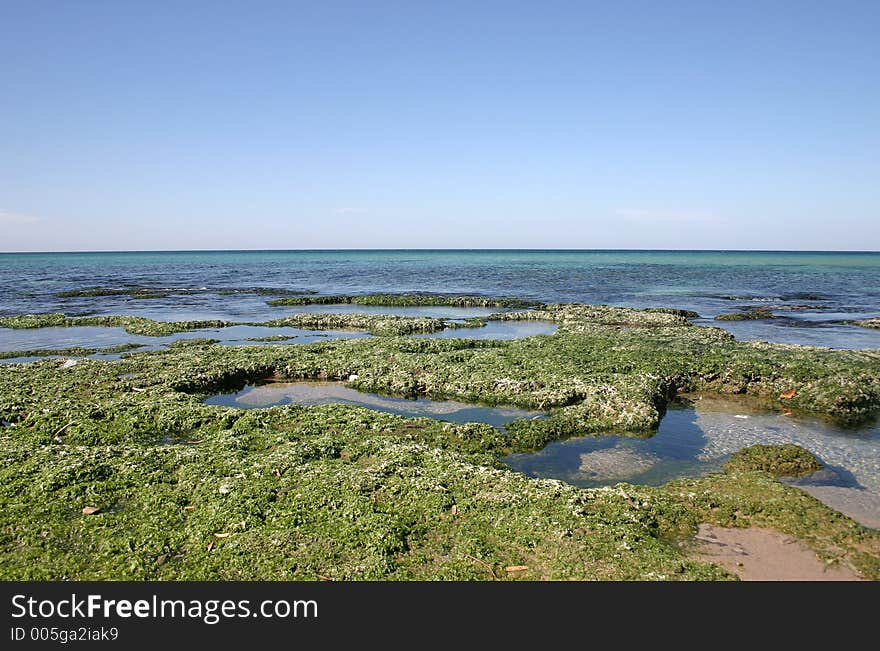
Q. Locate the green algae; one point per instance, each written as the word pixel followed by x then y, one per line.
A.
pixel 134 325
pixel 747 314
pixel 197 342
pixel 377 324
pixel 347 493
pixel 76 351
pixel 787 460
pixel 575 316
pixel 337 493
pixel 412 299
pixel 688 314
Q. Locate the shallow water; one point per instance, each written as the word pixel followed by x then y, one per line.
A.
pixel 54 338
pixel 710 282
pixel 239 335
pixel 103 337
pixel 801 331
pixel 322 393
pixel 697 438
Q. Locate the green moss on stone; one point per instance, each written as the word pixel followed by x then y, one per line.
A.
pixel 415 299
pixel 779 460
pixel 747 314
pixel 68 352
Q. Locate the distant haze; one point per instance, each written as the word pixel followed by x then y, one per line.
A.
pixel 283 125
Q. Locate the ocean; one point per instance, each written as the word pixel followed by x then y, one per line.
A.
pixel 810 293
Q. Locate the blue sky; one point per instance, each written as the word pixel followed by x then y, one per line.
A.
pixel 206 125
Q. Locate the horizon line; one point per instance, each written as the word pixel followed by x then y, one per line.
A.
pixel 450 249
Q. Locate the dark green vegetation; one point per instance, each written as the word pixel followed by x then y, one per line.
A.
pixel 398 300
pixel 747 314
pixel 186 490
pixel 378 324
pixel 133 292
pixel 67 352
pixel 135 325
pixel 779 460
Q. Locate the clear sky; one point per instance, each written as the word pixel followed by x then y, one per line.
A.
pixel 446 124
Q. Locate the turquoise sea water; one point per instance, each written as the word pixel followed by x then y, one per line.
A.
pixel 810 292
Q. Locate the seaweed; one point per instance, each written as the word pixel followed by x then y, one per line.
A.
pixel 749 313
pixel 348 493
pixel 412 299
pixel 77 351
pixel 787 460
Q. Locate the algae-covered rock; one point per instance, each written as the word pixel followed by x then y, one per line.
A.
pixel 135 325
pixel 77 351
pixel 411 299
pixel 688 314
pixel 377 324
pixel 787 460
pixel 747 314
pixel 869 323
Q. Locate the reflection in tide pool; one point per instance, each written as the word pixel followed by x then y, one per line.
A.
pixel 696 437
pixel 322 393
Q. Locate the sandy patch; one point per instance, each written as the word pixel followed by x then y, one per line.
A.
pixel 764 555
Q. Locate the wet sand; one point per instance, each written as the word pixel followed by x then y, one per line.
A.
pixel 764 555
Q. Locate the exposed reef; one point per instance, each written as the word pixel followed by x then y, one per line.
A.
pixel 779 460
pixel 400 300
pixel 77 351
pixel 868 323
pixel 177 489
pixel 747 314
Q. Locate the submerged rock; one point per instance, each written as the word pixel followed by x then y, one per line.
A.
pixel 868 323
pixel 751 313
pixel 615 463
pixel 787 460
